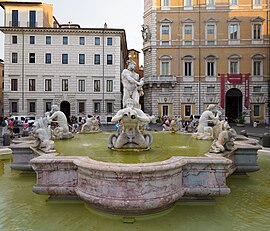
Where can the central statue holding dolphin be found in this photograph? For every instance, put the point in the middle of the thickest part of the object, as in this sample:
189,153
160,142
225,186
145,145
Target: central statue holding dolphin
131,116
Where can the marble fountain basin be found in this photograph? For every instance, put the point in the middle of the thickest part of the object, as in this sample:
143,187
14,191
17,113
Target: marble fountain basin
132,187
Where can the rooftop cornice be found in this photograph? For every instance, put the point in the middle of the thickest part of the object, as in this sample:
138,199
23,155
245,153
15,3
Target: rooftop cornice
16,3
64,30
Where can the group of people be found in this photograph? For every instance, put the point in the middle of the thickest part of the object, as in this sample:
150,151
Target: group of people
11,126
86,123
177,124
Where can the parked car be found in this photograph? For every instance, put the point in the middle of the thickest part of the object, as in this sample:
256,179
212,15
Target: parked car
21,119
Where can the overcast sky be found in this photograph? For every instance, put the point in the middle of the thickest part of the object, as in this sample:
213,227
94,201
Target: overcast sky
121,14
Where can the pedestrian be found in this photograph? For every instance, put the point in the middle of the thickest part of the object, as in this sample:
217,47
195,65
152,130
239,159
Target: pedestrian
4,126
10,127
16,129
26,125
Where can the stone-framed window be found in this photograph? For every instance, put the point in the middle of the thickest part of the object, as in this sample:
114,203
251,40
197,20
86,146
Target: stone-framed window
81,107
165,65
96,85
82,40
48,58
109,107
14,85
14,57
257,65
48,40
188,4
47,105
210,66
165,34
64,58
109,59
109,41
65,40
188,68
234,64
81,58
81,85
14,106
97,106
96,59
97,41
48,85
32,84
32,106
14,39
32,58
32,39
109,85
64,84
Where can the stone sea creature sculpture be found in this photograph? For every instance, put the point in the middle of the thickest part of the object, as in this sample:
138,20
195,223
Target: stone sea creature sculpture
62,130
91,125
224,142
131,119
130,135
145,125
42,133
204,131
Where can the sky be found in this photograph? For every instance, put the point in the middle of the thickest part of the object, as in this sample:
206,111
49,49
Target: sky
120,14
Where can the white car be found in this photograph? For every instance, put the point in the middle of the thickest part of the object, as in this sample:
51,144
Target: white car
21,119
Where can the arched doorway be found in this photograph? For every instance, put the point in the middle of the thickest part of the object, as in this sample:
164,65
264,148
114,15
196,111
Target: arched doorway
65,107
234,104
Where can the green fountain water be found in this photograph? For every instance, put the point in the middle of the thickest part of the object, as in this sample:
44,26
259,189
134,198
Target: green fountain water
165,145
247,208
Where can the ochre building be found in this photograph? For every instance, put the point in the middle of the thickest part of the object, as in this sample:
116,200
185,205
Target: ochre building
205,52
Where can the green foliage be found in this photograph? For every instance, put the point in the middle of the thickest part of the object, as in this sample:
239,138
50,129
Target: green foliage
242,118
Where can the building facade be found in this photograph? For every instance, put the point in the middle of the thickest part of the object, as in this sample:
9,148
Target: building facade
1,86
49,63
201,52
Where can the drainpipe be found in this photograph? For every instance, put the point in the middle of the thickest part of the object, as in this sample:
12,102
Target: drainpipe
268,63
103,70
23,70
199,90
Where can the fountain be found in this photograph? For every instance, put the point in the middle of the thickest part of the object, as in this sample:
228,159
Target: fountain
90,126
140,188
131,117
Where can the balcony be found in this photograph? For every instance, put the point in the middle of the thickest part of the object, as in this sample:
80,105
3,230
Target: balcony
14,24
160,79
32,24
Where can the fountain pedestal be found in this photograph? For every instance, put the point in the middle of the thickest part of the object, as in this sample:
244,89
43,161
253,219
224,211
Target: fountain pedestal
131,188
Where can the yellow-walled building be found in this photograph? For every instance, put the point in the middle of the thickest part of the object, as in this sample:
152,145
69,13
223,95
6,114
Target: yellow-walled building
201,52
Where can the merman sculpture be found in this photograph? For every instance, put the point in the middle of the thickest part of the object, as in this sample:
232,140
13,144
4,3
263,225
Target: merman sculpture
62,130
204,131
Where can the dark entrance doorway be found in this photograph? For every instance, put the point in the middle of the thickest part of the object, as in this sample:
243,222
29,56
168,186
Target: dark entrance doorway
234,104
65,107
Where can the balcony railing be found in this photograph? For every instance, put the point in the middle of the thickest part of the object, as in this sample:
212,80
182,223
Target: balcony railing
160,78
17,24
32,24
14,24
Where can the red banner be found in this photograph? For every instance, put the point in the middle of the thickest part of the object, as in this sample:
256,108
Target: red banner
235,78
247,91
222,89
